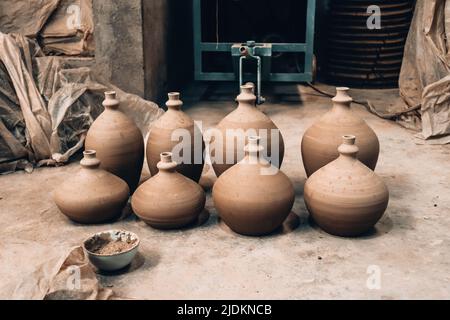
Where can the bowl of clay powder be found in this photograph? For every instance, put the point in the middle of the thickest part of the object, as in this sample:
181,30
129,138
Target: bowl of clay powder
111,250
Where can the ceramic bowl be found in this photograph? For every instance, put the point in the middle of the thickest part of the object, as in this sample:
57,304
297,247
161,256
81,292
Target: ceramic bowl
115,261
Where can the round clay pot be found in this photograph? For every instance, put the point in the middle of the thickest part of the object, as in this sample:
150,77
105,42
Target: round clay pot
345,197
168,200
253,197
231,134
118,141
320,142
161,135
93,195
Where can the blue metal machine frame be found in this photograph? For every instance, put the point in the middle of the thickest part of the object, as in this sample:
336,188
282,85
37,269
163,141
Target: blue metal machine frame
307,48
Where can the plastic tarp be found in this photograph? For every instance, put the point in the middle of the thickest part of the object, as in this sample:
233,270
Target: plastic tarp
70,29
62,27
48,103
67,276
425,74
25,17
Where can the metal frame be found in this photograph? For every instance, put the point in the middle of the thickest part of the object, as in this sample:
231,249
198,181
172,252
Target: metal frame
307,48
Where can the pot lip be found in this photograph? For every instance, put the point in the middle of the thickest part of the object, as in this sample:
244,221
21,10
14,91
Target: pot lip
112,254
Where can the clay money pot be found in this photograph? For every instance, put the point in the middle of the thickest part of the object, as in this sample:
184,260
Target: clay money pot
168,200
253,197
160,139
93,195
246,120
118,141
346,198
321,140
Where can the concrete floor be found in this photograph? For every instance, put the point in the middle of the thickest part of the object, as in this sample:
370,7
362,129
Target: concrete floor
409,247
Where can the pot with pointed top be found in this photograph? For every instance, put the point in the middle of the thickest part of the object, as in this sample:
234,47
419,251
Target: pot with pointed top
118,141
345,197
253,197
321,140
231,134
92,195
176,132
168,200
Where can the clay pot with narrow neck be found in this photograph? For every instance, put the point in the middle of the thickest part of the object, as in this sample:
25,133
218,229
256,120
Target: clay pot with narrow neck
92,195
345,197
253,197
321,140
118,141
231,134
168,200
176,132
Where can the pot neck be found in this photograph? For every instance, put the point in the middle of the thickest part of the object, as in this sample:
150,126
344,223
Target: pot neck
166,165
246,98
111,102
342,101
90,160
253,149
174,103
348,149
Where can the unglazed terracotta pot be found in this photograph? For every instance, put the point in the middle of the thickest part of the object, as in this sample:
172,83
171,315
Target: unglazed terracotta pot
320,142
93,195
168,200
118,141
233,132
176,122
253,197
345,197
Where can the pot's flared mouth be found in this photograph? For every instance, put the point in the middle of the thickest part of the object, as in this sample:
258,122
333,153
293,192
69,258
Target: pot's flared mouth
174,95
94,244
166,156
89,152
349,139
110,94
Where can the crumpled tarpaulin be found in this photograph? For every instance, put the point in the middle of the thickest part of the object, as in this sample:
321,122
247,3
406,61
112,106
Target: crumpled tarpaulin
425,75
47,104
70,29
25,17
62,27
32,106
62,277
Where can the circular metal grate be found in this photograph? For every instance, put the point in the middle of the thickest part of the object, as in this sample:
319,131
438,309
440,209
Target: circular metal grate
363,57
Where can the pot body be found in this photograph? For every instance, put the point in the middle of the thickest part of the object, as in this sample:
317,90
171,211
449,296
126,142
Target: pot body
168,200
119,144
345,197
321,141
243,122
92,196
175,123
252,203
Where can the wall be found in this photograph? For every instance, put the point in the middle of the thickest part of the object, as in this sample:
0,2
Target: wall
145,46
119,43
155,27
167,46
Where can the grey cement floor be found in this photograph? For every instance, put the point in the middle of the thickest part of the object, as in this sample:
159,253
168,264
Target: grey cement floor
409,249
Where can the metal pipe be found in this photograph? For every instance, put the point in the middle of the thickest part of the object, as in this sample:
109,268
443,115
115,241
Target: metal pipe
260,99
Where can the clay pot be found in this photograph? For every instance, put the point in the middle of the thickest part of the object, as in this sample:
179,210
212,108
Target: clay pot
253,197
345,197
93,195
160,140
320,142
243,122
118,141
168,200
